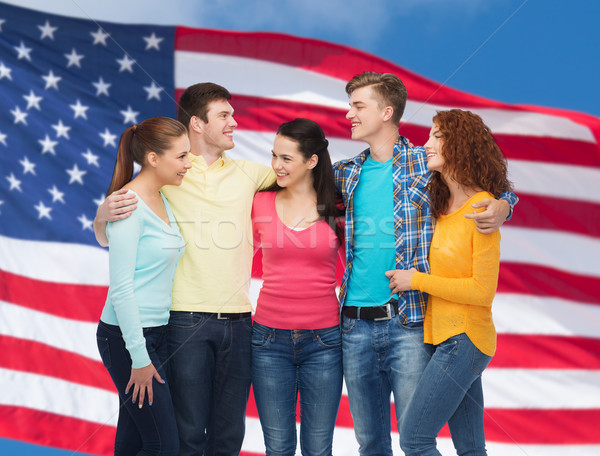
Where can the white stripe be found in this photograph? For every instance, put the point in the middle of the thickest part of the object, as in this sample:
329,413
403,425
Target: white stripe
54,261
572,253
544,179
53,395
284,82
560,181
527,314
544,389
61,333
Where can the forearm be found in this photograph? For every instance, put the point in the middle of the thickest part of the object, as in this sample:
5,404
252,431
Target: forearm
100,232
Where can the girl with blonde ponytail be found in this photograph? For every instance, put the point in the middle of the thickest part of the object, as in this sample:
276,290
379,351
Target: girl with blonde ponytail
143,252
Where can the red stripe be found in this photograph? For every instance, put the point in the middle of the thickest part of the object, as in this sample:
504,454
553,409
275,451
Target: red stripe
265,115
548,213
77,302
52,362
537,280
546,352
343,62
43,428
333,60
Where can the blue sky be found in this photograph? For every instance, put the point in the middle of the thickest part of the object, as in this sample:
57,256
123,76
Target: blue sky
542,52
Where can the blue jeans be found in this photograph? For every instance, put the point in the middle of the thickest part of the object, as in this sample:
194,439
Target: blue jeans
287,362
210,368
449,392
380,357
150,430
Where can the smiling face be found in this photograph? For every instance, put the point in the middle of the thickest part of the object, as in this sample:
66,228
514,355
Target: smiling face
366,115
289,164
174,162
433,148
217,133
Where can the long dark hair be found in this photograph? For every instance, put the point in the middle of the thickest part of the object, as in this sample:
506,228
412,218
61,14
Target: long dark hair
311,141
471,157
152,135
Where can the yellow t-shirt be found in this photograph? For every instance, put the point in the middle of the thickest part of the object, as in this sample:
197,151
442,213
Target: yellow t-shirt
463,280
213,207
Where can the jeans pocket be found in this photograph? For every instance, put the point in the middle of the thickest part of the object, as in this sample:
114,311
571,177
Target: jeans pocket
329,338
104,349
260,337
348,325
186,320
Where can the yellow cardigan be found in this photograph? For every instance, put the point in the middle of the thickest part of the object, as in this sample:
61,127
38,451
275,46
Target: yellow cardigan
463,280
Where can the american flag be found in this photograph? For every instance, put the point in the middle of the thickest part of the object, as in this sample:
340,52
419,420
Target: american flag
69,88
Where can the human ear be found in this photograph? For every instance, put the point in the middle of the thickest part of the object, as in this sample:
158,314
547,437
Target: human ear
196,124
388,112
152,159
312,161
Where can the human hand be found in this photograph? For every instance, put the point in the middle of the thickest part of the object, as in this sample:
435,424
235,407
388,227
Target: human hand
117,206
400,279
141,380
492,218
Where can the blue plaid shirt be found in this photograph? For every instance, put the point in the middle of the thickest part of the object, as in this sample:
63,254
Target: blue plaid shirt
413,223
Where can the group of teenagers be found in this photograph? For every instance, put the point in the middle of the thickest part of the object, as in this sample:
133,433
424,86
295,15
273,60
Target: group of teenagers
417,229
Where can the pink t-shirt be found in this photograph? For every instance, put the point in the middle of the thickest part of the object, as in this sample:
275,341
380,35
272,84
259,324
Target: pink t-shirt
299,280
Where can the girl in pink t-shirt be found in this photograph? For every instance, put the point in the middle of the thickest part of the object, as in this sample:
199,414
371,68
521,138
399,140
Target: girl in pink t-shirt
296,340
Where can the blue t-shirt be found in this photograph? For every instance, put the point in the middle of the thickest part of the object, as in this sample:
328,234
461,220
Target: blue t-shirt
374,251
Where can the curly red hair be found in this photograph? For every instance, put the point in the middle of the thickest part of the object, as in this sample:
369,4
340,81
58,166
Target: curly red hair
471,157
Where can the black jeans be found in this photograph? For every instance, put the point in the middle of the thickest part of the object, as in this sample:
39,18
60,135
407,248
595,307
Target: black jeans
151,430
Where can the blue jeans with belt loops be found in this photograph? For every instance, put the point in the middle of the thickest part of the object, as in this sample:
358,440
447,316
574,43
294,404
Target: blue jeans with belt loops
380,358
288,362
449,392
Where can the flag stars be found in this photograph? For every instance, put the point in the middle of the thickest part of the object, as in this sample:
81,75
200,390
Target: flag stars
1,202
101,87
91,158
74,59
14,182
129,116
47,30
2,21
108,138
99,37
33,101
5,72
86,224
51,80
100,200
152,41
43,211
48,145
61,129
2,138
23,52
79,109
126,64
57,195
28,167
76,174
20,116
153,91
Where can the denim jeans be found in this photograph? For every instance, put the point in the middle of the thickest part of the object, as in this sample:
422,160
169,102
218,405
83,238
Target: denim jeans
150,430
449,392
380,358
288,362
210,368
